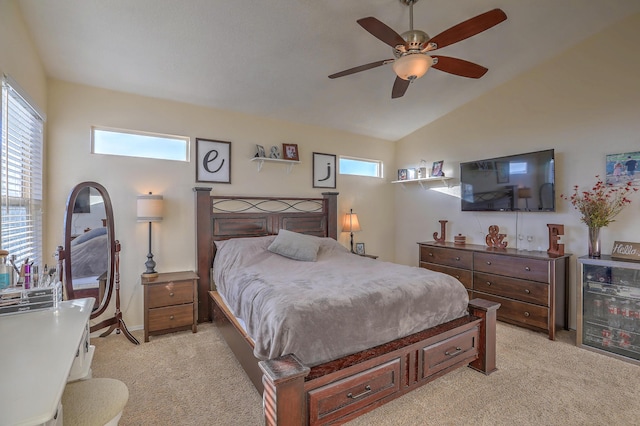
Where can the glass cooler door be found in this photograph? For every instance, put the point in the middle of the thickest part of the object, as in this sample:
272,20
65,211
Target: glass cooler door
610,307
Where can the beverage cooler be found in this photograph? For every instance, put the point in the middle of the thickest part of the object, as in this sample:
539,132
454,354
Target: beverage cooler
609,307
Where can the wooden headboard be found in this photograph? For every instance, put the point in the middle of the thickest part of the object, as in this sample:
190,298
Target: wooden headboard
224,217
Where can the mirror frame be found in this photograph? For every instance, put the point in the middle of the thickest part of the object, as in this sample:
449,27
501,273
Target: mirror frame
68,220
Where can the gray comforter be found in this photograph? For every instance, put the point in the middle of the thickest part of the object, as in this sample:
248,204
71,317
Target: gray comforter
338,305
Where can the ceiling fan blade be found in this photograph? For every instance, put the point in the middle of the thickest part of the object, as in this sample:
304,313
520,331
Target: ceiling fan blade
399,88
469,28
360,68
381,31
459,67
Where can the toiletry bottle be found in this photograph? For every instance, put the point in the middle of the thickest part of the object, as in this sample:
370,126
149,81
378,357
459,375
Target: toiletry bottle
27,276
6,276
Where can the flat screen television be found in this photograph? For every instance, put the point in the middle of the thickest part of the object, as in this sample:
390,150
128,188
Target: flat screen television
522,182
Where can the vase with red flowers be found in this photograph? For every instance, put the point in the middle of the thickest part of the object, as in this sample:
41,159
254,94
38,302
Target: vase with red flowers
599,206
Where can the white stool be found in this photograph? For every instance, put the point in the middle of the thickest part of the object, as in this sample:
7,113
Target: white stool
92,402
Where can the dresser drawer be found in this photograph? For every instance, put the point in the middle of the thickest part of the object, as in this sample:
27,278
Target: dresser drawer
520,313
450,257
170,293
353,393
170,317
449,352
465,276
517,267
527,291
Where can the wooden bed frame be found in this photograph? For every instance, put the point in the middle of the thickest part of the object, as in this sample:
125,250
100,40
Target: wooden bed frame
339,390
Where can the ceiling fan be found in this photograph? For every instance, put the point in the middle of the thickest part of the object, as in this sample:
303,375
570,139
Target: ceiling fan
411,49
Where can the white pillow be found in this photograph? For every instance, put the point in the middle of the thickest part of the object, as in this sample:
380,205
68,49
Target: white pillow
295,246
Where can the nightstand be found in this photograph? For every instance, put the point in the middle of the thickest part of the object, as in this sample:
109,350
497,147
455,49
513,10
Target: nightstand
170,303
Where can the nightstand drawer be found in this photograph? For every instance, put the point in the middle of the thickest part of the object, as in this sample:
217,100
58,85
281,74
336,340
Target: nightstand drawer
170,293
517,267
463,275
527,291
450,257
170,317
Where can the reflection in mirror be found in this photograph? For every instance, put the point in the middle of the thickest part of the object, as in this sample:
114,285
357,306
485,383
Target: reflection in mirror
89,248
89,260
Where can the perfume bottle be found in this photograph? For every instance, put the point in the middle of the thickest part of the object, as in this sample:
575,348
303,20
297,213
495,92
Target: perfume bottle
6,271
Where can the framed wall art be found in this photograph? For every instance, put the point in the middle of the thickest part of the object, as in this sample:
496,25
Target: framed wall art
502,168
622,168
360,248
213,161
324,170
290,151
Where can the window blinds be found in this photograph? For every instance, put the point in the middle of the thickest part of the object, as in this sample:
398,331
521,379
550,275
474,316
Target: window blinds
21,180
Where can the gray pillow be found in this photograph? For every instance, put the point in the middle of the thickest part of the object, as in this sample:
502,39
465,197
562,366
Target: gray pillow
295,246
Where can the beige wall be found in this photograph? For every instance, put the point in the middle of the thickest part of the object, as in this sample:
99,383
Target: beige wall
584,103
18,56
73,109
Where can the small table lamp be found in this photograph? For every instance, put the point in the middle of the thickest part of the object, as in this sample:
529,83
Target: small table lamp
150,210
525,193
351,224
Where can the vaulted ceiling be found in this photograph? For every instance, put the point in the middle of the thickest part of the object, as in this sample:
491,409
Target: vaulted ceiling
272,58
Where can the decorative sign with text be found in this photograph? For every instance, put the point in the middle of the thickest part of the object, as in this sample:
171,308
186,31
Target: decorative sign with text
626,250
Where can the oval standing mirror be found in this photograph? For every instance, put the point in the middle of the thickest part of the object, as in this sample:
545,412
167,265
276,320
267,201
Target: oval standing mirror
89,260
89,245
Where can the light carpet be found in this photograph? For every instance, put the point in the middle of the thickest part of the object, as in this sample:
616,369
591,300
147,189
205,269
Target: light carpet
194,379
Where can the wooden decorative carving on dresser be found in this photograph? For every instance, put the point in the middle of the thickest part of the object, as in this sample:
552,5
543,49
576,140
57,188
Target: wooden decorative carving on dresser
443,232
495,239
555,232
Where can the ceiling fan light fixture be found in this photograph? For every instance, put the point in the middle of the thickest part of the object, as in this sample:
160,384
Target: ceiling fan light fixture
412,66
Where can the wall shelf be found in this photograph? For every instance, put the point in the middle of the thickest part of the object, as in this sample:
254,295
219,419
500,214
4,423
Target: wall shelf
262,160
422,181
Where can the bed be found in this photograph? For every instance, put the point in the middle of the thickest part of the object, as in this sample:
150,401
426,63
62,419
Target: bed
335,386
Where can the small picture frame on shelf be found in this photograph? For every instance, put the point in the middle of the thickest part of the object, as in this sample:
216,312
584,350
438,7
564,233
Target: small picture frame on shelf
402,174
360,248
290,151
260,151
436,169
411,174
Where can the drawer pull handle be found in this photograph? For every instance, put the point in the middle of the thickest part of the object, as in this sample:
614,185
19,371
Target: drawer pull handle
367,389
526,314
488,282
430,254
488,263
526,290
457,258
455,352
457,277
526,268
171,317
171,294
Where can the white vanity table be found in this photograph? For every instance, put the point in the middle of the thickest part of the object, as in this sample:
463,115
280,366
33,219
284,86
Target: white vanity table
37,352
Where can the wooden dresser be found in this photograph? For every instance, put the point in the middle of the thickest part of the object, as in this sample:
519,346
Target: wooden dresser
531,286
170,303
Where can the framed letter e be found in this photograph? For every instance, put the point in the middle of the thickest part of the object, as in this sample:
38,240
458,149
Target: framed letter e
213,161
